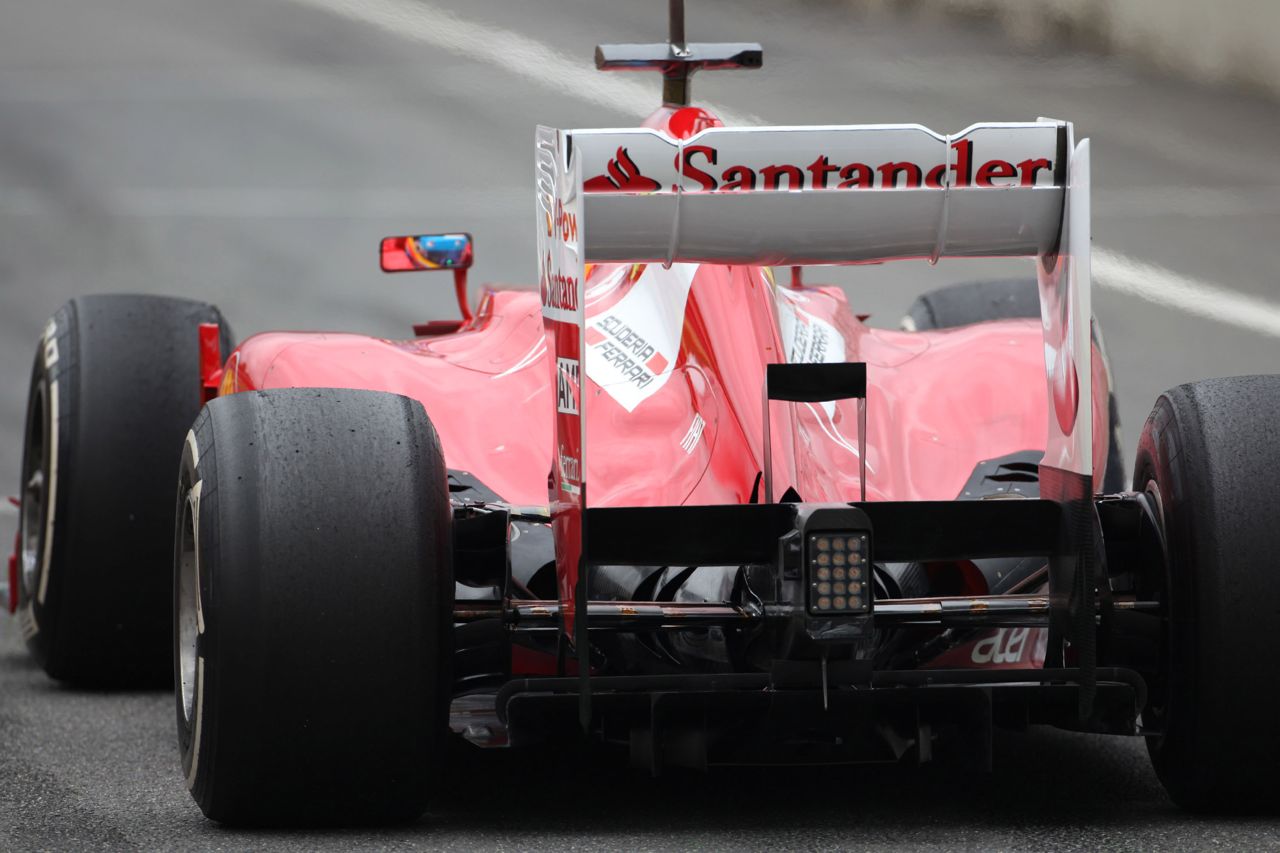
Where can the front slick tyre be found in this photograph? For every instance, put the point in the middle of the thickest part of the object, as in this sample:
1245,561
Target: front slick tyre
1209,458
313,593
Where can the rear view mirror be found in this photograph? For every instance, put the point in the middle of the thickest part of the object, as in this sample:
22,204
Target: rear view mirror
426,252
421,252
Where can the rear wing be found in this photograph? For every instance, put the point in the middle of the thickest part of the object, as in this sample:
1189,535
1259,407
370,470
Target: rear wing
797,195
814,195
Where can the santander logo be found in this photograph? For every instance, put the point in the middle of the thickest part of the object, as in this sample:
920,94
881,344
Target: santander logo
700,164
621,176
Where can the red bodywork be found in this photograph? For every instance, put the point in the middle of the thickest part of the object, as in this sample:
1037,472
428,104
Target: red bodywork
939,402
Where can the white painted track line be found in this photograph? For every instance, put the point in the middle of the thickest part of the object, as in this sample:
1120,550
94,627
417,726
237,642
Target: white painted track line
519,54
1168,289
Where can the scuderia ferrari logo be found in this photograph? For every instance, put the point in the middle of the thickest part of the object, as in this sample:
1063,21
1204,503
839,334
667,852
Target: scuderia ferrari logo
631,347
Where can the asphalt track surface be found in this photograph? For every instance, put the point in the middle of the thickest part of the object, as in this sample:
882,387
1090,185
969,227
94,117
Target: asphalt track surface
252,152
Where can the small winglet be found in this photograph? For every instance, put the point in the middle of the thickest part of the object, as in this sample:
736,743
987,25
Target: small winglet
677,59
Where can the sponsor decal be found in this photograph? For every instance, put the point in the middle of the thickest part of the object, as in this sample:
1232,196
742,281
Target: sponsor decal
806,337
567,386
997,648
50,344
632,346
570,468
627,349
690,440
1006,646
703,171
560,290
622,175
559,293
564,221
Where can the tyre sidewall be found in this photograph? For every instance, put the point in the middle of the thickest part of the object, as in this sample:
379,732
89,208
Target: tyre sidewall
54,388
1174,687
196,733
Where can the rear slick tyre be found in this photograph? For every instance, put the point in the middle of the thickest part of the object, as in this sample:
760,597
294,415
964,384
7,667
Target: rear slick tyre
116,383
1209,459
312,615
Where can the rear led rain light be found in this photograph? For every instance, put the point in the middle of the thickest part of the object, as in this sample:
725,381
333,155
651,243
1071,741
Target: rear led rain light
836,565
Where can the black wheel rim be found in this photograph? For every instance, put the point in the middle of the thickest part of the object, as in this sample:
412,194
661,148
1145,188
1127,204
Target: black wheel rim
1155,717
188,615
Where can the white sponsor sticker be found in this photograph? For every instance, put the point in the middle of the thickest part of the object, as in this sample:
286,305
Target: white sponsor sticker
690,440
570,472
807,338
632,346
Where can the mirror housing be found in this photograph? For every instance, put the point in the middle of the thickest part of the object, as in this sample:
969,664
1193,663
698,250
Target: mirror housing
423,252
426,252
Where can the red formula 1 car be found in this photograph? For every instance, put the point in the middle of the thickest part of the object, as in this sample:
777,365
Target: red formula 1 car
670,500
